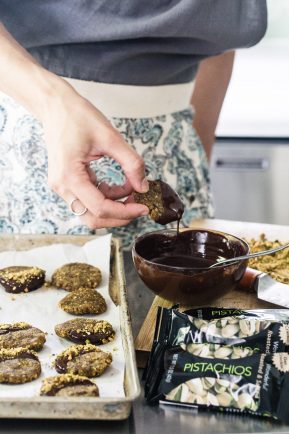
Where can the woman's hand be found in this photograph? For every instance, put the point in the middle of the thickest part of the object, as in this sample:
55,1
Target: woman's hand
76,133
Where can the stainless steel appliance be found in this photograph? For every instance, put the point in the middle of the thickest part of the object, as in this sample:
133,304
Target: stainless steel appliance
250,179
250,162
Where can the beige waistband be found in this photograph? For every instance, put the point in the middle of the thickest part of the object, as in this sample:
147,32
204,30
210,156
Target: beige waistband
126,101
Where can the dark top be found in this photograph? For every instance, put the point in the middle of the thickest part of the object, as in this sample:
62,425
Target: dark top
142,42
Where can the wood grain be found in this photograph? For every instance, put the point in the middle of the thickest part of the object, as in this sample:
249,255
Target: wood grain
236,299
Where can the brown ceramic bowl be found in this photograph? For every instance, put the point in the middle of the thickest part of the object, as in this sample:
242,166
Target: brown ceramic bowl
176,267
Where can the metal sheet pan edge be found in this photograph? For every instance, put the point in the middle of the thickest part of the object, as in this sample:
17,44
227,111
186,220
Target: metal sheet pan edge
80,408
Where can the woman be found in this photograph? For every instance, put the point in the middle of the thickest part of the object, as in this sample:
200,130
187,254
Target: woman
104,95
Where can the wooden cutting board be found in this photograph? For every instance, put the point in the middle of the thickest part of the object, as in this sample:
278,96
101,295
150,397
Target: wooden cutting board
235,299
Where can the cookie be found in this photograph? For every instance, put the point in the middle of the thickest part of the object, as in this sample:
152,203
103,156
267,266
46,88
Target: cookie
87,360
86,331
18,366
76,275
21,279
83,301
68,385
163,203
21,335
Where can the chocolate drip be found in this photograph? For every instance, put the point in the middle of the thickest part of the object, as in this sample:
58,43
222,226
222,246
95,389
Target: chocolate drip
173,206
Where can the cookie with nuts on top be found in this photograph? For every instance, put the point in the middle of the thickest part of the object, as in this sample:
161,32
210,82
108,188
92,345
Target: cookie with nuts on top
164,204
76,275
18,366
21,335
83,301
87,360
68,385
18,279
85,330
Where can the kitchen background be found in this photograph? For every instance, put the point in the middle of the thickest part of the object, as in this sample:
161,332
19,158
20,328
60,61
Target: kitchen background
250,162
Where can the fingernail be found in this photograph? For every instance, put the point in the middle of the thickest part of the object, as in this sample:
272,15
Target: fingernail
144,185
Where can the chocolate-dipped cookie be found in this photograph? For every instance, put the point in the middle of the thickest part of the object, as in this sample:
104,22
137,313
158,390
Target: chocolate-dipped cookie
18,366
164,205
83,301
76,275
68,385
87,360
86,331
18,279
21,335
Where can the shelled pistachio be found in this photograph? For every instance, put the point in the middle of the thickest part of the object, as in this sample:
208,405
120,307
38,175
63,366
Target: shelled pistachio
215,392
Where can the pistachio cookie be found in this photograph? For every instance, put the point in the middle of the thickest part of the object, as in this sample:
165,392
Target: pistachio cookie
21,279
83,301
76,275
163,203
87,360
21,335
84,330
18,366
68,385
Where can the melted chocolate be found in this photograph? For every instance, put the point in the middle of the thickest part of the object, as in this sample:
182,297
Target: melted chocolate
173,206
183,261
180,250
175,266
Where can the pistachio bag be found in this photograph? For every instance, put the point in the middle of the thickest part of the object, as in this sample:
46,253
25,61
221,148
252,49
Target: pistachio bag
230,364
258,384
220,312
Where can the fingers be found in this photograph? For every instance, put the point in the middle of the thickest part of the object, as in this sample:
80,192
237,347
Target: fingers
115,192
92,223
132,163
79,209
101,210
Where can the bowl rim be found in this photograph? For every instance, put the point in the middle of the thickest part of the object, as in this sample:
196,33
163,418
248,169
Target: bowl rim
187,270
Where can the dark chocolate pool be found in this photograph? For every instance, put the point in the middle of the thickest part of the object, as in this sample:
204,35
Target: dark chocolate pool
175,266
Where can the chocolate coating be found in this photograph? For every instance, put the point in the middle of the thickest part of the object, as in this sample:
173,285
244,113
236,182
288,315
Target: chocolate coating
165,206
85,330
173,206
18,279
87,360
68,385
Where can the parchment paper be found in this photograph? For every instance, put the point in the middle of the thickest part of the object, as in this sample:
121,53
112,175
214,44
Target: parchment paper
40,309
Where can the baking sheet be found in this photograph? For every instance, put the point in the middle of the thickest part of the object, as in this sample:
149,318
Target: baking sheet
40,309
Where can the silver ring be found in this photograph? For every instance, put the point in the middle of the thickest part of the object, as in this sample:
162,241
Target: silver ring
79,213
99,184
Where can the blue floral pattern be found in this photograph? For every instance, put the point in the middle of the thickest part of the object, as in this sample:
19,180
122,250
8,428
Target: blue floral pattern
169,145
